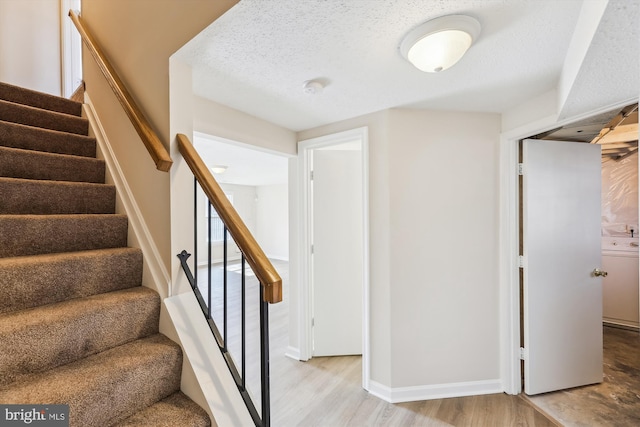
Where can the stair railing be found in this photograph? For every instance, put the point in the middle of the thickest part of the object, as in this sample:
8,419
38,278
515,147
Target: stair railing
216,302
152,142
269,282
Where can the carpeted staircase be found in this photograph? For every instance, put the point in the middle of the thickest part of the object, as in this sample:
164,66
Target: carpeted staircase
76,326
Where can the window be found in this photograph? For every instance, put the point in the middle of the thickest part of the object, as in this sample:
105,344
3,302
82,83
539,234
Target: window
217,227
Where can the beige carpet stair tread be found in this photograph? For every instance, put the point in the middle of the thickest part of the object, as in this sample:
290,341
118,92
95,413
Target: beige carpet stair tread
33,138
107,387
32,116
38,99
27,196
70,330
29,164
41,234
176,410
37,280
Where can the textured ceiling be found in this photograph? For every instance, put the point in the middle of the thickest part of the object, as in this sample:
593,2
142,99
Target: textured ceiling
256,57
611,69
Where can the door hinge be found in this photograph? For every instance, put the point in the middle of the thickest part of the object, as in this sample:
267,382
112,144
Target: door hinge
520,261
520,169
311,175
313,321
523,353
311,249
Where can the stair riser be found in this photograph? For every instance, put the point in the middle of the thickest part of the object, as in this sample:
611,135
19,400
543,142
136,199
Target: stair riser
30,116
66,332
36,234
32,138
38,99
107,387
19,196
26,164
39,280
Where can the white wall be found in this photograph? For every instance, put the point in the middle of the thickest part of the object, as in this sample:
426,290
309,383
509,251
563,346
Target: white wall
272,220
434,251
444,247
219,120
30,44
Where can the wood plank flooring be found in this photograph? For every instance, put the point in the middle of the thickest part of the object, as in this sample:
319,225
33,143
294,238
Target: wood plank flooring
327,391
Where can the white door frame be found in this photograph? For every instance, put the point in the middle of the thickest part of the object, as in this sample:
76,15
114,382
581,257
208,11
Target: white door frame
304,303
510,371
71,42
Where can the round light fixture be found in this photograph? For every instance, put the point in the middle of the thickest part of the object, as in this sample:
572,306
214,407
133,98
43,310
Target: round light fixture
219,168
438,44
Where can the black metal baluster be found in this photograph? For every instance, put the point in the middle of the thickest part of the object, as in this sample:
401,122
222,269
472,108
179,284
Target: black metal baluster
195,231
263,419
264,358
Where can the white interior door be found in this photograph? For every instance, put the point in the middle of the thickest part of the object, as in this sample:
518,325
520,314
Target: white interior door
337,259
562,247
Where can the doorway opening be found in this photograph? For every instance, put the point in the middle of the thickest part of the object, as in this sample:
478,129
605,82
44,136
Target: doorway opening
618,213
334,279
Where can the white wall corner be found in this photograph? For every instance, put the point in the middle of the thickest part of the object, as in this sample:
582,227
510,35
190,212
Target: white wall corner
590,15
223,400
435,391
155,274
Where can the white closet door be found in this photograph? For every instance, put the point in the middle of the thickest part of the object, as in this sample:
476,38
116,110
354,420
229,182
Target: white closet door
562,248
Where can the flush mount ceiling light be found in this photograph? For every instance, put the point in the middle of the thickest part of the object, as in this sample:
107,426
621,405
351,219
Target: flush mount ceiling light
219,168
438,44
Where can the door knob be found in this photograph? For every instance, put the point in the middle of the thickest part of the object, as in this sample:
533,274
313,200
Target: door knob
599,273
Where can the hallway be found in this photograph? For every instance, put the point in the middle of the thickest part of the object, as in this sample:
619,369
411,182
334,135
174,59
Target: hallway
327,392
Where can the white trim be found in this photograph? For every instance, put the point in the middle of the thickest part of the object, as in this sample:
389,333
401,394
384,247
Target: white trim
304,303
152,259
292,353
71,49
435,391
509,241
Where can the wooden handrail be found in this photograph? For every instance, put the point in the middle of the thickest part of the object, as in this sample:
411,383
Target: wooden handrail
156,149
262,267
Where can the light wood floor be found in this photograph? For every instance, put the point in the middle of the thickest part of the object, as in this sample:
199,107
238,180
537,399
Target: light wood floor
327,391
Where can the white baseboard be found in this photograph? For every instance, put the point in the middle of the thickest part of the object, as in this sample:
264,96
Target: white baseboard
293,353
436,391
153,264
